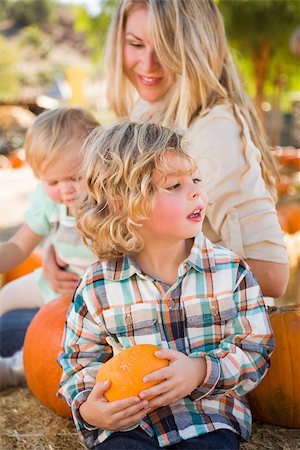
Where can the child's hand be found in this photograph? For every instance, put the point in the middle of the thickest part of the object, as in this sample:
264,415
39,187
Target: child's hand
112,416
180,378
60,280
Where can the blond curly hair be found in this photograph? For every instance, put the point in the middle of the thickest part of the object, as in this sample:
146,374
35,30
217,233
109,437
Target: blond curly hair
118,168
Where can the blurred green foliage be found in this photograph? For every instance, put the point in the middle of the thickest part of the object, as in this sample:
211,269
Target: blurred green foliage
9,82
34,37
260,31
95,28
27,12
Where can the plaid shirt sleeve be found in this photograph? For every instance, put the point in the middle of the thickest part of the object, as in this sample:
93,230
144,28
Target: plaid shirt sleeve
83,353
243,357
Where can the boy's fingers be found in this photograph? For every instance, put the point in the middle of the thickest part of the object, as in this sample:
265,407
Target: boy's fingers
134,419
98,391
156,390
158,375
167,353
120,406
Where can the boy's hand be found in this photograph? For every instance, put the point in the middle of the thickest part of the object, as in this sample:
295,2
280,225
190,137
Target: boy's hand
112,416
180,378
60,280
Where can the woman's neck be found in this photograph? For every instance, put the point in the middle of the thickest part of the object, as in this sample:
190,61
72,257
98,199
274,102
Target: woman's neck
162,261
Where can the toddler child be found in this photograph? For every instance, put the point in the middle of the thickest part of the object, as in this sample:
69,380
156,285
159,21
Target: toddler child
160,281
53,150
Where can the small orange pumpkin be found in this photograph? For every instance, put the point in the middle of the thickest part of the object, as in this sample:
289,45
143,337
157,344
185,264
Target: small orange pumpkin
276,400
41,347
126,370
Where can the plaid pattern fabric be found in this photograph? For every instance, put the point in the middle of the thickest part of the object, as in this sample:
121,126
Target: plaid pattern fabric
215,310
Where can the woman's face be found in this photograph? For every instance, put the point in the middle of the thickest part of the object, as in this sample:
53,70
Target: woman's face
151,79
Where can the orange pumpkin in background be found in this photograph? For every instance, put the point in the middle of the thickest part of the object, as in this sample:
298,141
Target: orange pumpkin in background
31,263
126,370
276,400
289,216
16,160
41,347
288,157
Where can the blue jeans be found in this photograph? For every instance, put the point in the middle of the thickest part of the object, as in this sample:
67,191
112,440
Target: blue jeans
138,439
13,327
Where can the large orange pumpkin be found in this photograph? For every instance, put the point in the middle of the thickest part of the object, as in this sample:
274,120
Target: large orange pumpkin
276,400
41,348
126,370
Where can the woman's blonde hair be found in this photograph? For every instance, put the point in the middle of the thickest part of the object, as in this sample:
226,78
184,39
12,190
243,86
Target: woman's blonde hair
189,38
118,168
51,134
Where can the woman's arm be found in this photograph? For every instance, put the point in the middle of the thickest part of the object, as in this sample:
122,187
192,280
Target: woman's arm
272,277
16,250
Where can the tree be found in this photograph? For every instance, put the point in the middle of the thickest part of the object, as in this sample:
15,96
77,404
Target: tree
95,27
261,31
9,83
27,12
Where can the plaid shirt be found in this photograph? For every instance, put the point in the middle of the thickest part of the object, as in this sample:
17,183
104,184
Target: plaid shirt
214,310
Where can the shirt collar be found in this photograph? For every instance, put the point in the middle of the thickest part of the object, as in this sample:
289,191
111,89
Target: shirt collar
121,268
201,258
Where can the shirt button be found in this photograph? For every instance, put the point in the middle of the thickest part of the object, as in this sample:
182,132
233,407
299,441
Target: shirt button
214,311
128,319
171,303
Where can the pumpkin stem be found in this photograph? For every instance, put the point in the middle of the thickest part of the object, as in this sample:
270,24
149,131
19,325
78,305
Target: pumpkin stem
117,347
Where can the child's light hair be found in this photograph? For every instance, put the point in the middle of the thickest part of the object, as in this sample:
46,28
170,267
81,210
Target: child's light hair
189,38
52,134
118,168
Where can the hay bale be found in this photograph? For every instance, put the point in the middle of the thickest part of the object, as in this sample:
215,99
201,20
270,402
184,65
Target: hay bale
26,424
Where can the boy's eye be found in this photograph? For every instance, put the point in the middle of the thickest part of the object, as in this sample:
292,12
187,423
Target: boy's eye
52,183
173,187
197,180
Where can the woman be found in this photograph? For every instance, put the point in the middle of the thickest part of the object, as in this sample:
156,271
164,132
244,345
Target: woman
173,58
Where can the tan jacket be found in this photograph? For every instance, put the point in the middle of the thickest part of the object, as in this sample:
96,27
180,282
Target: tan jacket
241,214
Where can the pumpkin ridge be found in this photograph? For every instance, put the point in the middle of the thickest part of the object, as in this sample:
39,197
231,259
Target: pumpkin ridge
291,388
287,381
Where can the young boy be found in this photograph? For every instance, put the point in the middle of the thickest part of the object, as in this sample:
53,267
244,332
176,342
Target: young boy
160,281
53,150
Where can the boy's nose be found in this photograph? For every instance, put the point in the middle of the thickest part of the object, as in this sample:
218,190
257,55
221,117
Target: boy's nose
195,192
